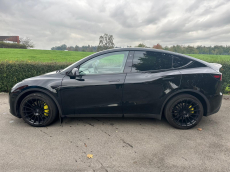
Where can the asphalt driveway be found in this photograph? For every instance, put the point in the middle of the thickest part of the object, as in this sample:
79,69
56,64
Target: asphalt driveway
116,144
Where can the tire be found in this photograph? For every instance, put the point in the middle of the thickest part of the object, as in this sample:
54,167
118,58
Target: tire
184,111
38,110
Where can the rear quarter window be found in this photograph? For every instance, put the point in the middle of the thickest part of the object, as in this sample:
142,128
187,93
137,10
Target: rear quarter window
180,61
183,62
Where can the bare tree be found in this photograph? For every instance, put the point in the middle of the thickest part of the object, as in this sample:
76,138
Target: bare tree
105,42
27,42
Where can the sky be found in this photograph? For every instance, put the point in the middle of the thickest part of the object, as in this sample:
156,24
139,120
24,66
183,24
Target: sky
80,22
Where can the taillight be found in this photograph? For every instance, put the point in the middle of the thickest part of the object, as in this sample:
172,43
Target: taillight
219,77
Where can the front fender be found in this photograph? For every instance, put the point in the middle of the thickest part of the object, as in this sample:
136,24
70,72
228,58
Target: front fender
54,96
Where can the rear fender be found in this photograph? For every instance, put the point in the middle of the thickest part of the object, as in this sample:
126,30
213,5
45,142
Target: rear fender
187,91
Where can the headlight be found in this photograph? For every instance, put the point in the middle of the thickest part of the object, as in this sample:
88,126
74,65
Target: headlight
17,87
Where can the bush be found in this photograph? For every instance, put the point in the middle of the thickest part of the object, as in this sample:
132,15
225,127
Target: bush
12,45
14,72
225,70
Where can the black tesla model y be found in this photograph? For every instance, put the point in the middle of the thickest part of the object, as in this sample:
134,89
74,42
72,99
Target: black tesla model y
126,82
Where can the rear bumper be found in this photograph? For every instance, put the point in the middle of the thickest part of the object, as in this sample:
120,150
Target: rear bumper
215,104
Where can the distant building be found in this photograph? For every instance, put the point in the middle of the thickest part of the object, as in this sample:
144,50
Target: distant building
10,39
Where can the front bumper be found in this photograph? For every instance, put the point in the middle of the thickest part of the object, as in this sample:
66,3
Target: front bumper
12,110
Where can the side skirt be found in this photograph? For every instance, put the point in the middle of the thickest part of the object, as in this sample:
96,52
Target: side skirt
156,116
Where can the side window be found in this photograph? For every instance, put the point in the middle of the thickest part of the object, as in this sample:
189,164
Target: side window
180,61
104,64
147,60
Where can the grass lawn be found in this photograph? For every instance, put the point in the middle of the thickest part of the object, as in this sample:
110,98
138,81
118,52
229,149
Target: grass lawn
73,56
41,55
212,58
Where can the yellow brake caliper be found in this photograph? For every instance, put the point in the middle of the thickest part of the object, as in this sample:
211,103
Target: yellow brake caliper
192,109
46,109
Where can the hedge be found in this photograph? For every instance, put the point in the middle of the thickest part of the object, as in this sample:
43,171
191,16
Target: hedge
13,72
225,70
12,45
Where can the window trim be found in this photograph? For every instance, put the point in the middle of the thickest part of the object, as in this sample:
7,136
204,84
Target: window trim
184,65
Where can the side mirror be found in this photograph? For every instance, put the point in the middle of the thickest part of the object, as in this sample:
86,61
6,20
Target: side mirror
74,72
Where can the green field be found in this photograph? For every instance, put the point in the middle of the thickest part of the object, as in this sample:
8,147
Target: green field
73,56
212,58
41,55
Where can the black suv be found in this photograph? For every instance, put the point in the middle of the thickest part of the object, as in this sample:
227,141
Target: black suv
126,82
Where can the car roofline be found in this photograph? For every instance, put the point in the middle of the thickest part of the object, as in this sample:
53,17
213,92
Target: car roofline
139,49
150,49
162,51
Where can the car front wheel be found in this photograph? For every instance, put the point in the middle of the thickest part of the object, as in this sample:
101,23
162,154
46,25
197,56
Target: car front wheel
38,110
184,111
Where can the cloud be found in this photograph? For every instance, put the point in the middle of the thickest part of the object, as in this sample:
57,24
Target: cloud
53,22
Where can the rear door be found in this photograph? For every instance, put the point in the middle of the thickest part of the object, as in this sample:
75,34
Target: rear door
151,78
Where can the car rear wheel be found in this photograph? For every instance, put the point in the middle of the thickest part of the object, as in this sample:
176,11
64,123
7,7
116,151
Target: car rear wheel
184,111
38,110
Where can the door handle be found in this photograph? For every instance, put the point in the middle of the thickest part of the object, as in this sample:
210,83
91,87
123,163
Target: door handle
168,78
80,79
115,80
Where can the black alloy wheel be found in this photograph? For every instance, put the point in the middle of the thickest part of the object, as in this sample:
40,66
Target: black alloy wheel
38,110
184,111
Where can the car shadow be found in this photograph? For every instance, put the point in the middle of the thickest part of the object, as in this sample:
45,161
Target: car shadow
110,121
75,121
70,121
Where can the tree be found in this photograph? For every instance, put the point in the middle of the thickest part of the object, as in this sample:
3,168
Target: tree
191,50
105,42
63,47
84,48
76,48
70,48
158,46
27,42
142,45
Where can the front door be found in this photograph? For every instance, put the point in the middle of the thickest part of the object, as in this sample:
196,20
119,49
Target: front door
98,89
